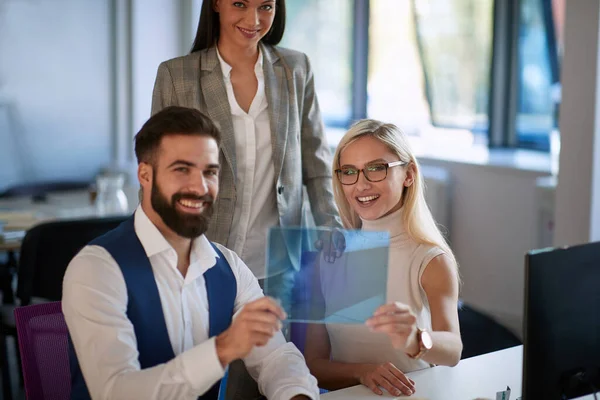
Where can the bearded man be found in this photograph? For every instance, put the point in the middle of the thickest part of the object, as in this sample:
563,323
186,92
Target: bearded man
157,311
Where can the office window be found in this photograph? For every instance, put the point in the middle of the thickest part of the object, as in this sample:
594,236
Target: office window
323,30
538,78
395,85
455,39
429,65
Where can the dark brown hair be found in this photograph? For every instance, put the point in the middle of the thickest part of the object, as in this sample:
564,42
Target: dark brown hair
209,27
173,120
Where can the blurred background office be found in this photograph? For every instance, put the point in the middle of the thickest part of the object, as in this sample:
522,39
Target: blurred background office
462,77
477,84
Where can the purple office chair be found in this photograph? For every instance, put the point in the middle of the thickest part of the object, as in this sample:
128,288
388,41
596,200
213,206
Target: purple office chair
43,341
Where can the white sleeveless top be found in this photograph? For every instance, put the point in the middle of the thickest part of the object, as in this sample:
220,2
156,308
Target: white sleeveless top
407,261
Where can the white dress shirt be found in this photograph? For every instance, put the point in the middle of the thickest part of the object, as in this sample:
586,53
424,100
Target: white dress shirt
95,302
256,205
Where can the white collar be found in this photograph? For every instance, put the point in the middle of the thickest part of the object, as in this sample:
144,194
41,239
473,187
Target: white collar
226,68
153,242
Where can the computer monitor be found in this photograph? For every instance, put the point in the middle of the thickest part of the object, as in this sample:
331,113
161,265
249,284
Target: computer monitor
561,355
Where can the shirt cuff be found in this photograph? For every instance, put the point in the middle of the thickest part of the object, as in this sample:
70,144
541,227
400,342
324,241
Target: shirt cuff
297,391
201,366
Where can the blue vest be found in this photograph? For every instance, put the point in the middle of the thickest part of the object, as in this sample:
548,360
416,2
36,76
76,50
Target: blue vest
144,308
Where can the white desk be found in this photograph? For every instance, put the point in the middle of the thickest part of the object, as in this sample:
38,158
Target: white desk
21,213
474,378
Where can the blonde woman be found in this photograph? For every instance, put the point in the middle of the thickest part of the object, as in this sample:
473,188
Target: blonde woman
378,187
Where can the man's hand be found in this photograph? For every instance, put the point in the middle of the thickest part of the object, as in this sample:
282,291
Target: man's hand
255,325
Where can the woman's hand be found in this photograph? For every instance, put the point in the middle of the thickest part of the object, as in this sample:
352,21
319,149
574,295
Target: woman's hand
332,243
398,322
388,377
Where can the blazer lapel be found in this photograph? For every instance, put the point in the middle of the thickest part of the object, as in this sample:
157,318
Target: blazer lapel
276,90
217,103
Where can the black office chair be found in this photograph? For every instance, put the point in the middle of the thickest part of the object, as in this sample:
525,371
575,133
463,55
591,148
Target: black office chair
481,334
45,254
38,191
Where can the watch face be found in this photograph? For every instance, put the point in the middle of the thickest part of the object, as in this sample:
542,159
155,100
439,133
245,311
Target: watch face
426,340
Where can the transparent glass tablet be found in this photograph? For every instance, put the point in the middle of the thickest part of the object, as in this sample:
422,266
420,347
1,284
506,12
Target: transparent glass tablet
323,275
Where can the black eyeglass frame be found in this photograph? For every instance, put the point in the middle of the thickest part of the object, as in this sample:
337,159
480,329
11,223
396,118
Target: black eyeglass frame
387,166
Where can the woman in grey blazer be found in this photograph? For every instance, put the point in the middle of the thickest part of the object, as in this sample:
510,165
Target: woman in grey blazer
263,99
299,151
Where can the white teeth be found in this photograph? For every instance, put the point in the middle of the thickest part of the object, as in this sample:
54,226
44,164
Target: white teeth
247,31
191,204
368,198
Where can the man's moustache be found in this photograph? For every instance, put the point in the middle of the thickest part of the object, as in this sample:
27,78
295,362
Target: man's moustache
205,198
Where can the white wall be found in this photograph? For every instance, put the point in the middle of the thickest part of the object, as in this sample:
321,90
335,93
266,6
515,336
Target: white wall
493,224
578,189
156,27
76,80
54,89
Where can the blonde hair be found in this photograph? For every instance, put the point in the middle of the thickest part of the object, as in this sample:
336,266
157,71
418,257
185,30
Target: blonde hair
417,218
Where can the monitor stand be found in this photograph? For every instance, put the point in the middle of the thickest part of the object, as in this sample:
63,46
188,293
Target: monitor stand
579,382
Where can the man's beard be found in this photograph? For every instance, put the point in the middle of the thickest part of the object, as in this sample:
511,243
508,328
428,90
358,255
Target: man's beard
184,224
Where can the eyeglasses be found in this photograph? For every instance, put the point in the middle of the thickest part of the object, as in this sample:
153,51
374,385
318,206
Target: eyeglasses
373,172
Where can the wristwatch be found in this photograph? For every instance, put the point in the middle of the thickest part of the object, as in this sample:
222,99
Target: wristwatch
425,344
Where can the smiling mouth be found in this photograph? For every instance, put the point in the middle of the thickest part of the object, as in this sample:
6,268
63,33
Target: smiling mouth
191,205
249,33
367,199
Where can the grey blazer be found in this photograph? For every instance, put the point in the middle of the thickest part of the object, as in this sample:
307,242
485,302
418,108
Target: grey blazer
300,151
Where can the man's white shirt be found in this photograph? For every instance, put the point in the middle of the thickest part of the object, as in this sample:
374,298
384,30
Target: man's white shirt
95,303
